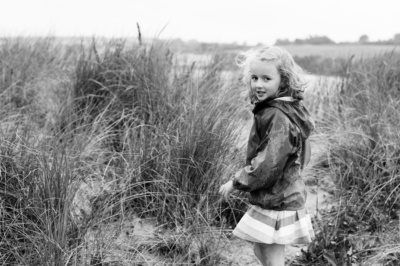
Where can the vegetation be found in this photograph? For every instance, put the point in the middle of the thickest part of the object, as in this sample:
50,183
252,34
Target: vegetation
319,65
315,40
360,120
160,135
155,136
324,40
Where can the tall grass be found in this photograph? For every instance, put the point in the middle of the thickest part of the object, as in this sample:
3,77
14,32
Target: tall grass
362,124
35,201
319,65
371,109
34,74
174,127
159,136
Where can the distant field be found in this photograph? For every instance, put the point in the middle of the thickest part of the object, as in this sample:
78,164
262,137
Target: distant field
325,51
340,50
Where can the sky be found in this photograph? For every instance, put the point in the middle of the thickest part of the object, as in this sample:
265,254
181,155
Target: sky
244,21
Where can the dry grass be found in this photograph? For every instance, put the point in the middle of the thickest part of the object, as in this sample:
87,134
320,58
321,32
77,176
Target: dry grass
360,119
159,136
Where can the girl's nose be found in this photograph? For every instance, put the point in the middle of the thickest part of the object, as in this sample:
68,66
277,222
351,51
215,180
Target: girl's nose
258,84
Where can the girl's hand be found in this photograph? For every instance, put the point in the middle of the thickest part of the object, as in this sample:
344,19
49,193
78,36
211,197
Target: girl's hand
226,189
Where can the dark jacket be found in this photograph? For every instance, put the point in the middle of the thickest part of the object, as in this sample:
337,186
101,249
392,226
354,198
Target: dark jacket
277,151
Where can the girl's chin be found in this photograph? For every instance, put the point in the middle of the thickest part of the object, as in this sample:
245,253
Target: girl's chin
262,98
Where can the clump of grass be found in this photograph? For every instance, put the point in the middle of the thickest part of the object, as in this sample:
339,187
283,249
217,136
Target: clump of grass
168,133
364,161
173,126
369,161
320,65
34,219
162,135
33,74
38,182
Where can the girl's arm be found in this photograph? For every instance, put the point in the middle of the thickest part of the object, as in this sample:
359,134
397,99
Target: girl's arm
278,143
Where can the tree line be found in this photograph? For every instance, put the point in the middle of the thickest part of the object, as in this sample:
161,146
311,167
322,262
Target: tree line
319,40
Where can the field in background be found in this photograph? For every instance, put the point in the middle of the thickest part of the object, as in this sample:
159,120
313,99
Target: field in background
340,50
111,153
327,60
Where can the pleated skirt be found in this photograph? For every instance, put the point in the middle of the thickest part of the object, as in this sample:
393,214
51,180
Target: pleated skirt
275,227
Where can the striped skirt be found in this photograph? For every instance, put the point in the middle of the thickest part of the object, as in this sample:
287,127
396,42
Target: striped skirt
275,227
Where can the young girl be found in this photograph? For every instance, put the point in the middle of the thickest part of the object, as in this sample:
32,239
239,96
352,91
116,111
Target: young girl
278,149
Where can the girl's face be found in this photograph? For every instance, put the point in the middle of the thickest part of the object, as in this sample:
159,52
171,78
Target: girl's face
264,79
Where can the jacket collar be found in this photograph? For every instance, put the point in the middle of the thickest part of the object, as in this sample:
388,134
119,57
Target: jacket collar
261,105
266,103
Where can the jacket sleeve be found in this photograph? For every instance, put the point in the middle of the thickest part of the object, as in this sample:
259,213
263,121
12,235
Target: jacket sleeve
277,144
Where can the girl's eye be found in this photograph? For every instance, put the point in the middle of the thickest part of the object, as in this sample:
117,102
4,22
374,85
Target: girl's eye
266,78
253,78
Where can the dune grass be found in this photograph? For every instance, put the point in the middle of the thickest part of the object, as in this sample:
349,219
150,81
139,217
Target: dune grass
360,120
160,136
156,138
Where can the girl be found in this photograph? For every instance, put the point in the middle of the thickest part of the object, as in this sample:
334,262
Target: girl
278,149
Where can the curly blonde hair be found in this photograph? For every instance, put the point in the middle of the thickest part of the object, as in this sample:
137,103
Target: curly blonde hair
293,82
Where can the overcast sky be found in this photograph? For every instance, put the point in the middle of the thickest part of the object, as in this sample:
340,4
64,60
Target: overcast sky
250,21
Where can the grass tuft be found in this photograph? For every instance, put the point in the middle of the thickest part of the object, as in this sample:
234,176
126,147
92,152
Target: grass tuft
361,120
